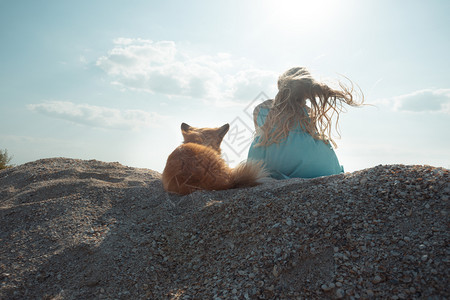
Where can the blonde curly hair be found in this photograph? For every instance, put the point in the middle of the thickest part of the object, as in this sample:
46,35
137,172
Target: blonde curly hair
290,109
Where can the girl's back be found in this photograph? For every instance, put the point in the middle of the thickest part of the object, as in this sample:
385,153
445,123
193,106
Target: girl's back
298,155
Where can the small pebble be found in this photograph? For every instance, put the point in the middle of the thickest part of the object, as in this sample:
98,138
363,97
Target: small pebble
340,293
275,271
376,279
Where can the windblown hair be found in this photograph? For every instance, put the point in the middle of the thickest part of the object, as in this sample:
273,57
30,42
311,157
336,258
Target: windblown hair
290,109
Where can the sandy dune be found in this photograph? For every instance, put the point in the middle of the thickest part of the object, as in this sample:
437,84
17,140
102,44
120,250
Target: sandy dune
74,229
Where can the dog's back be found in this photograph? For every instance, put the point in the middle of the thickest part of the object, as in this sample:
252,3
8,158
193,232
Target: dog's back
192,167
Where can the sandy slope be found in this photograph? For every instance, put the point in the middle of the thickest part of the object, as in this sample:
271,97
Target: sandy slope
73,229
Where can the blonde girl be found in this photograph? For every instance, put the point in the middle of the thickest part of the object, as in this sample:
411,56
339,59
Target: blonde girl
293,131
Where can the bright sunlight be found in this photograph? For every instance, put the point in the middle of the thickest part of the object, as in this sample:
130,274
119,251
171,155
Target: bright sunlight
300,15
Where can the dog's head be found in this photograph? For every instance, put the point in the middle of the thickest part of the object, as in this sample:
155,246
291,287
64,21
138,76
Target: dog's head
210,137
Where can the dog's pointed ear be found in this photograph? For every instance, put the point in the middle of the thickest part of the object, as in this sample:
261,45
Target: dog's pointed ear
185,127
223,130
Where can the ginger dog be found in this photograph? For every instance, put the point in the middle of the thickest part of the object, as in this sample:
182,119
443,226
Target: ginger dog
197,164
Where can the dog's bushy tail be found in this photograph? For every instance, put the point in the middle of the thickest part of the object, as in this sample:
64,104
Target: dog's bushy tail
248,173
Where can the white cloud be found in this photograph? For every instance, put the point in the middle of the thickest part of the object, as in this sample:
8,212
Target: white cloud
163,68
98,116
428,100
246,82
82,59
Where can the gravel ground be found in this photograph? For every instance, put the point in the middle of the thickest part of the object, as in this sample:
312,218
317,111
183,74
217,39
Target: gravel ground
74,229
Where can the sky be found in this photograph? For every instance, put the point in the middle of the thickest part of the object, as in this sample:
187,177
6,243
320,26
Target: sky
113,80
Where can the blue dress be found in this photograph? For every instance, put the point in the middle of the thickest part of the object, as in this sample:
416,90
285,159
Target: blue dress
299,155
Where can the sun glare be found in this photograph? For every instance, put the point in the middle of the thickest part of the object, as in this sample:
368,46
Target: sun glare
300,15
